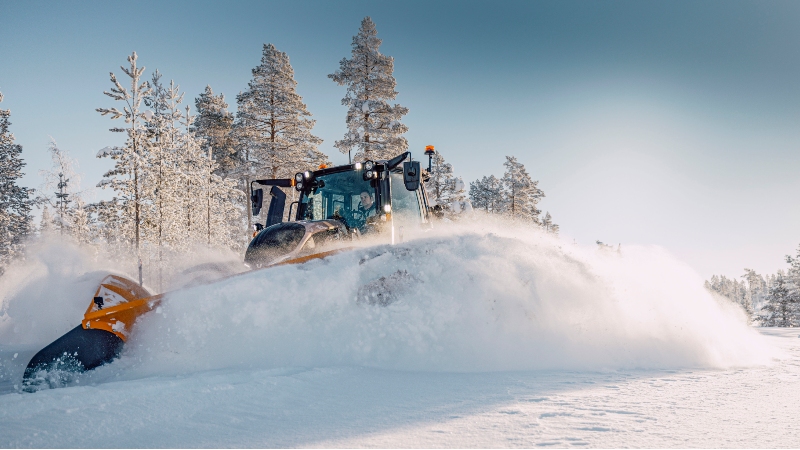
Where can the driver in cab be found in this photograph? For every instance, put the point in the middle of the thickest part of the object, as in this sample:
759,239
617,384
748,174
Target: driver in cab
367,205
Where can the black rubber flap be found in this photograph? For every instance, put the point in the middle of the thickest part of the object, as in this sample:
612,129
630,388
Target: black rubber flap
79,350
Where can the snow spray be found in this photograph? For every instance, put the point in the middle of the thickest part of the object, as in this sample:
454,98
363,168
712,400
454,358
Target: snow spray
483,297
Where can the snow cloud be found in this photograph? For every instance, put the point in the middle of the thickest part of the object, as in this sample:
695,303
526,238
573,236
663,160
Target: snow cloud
484,298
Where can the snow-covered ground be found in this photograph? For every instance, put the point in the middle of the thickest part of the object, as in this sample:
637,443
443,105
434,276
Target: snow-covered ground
489,339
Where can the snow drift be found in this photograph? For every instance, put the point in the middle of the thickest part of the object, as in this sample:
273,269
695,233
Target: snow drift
484,298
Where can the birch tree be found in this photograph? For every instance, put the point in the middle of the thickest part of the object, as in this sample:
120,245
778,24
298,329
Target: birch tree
374,130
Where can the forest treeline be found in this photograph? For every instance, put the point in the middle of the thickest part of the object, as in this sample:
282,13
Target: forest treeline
181,180
772,300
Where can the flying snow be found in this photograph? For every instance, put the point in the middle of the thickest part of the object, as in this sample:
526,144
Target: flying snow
467,299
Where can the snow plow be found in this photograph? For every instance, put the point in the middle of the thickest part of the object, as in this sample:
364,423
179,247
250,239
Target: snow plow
378,201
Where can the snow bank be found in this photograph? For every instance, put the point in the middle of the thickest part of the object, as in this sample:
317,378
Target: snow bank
464,299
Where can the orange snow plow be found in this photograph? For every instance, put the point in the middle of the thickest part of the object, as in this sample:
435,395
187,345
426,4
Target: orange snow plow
117,304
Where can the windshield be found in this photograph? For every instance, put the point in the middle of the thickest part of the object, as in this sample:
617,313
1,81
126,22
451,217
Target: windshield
342,196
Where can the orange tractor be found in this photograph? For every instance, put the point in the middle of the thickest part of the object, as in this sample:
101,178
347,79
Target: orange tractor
336,206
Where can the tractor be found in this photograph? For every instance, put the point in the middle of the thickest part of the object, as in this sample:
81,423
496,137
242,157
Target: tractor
378,202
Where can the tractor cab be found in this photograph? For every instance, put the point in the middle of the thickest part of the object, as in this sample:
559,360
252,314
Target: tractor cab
372,198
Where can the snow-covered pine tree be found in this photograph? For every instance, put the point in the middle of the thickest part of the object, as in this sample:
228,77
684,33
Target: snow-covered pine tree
441,185
374,128
165,181
45,222
487,194
756,291
781,305
521,192
273,128
81,229
64,169
217,204
273,123
213,125
793,275
15,202
125,176
548,225
732,289
459,200
107,219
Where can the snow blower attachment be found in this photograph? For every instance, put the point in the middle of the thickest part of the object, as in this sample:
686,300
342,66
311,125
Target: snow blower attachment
105,327
336,206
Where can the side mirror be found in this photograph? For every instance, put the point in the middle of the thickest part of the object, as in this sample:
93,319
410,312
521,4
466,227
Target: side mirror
276,205
257,198
411,175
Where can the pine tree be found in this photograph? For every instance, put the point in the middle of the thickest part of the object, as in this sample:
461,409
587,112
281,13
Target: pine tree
125,176
521,192
214,215
441,184
64,170
46,221
548,225
374,128
81,229
781,305
756,291
273,125
459,201
793,275
213,126
15,202
273,128
109,219
487,194
162,188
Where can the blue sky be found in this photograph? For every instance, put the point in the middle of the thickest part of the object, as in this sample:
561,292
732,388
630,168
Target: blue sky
667,123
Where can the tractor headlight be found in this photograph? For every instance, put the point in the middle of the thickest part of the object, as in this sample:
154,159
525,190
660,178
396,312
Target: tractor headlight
307,174
298,177
387,208
369,174
358,166
369,165
299,186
